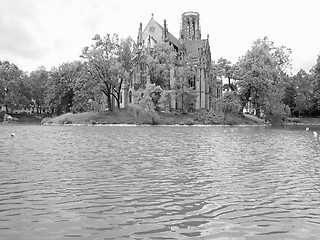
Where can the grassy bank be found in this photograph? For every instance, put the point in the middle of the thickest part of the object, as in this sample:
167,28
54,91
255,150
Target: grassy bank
23,117
27,118
132,116
303,121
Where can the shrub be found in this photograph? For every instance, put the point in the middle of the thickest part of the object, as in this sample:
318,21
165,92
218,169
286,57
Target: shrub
2,115
93,122
189,122
228,103
143,115
64,121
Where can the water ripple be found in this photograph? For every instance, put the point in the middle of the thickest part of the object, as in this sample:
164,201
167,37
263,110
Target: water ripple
61,182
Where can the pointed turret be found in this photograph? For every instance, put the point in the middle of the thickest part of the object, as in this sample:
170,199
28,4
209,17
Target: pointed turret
165,32
139,39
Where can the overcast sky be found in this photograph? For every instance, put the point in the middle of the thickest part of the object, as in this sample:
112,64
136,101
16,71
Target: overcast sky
36,33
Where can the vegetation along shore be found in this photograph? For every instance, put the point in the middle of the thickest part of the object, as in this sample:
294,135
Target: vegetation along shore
131,116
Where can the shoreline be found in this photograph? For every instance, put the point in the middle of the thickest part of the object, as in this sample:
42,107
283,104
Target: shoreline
130,118
178,125
159,125
150,125
125,118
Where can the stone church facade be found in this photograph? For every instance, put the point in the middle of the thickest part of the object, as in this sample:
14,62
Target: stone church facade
189,44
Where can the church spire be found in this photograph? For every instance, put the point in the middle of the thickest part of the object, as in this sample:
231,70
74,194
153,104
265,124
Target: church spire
139,39
165,31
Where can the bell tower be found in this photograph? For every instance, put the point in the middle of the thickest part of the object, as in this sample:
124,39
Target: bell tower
190,28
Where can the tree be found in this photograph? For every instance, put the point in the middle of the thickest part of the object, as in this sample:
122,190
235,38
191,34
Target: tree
156,67
38,82
275,110
24,93
216,85
160,61
299,91
223,69
315,81
108,65
87,95
60,87
300,101
260,73
12,86
184,84
146,100
290,92
125,58
228,103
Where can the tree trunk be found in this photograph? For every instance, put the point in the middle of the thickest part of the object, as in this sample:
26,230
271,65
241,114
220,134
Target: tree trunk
116,97
118,102
258,111
182,100
109,102
119,92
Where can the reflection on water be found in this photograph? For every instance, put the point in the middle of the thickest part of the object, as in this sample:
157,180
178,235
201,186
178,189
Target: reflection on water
62,182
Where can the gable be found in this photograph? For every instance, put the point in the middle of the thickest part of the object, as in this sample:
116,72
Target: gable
154,30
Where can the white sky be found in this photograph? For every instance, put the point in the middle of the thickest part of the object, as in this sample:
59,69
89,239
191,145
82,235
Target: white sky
36,33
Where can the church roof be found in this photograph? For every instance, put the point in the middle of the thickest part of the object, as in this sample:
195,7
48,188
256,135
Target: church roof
171,38
192,47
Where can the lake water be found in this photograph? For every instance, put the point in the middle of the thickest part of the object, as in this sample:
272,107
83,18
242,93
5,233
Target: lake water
112,182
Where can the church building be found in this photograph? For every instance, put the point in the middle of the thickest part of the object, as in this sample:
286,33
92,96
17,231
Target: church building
189,44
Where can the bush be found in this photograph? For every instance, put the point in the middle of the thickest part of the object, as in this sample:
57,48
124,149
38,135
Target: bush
276,118
144,116
93,122
208,117
278,113
46,120
2,115
229,103
65,121
188,121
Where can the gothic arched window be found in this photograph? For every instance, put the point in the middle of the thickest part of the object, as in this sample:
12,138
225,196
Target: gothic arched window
130,97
